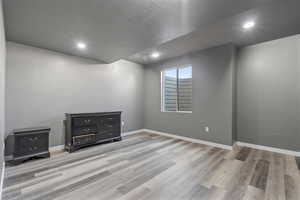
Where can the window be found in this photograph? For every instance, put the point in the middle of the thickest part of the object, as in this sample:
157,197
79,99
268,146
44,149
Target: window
177,89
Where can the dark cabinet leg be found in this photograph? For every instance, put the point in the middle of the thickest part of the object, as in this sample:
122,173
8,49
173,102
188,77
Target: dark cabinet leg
16,162
46,155
72,149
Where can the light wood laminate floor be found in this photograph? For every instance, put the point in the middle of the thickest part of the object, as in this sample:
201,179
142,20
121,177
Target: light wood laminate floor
151,167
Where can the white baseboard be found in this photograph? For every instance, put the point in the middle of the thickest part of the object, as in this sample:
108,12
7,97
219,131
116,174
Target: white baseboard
57,148
62,147
132,132
2,178
223,146
266,148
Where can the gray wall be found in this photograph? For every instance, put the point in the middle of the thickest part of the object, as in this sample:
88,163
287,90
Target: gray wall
43,85
2,88
264,104
268,94
233,64
213,78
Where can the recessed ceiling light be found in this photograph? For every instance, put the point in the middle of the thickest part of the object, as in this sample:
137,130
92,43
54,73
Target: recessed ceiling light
155,55
81,45
248,24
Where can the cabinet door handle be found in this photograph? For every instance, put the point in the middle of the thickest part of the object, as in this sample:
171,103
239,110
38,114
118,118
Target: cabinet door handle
87,121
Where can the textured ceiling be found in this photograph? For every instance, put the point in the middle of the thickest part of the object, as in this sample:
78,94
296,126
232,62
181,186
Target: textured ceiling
272,21
117,29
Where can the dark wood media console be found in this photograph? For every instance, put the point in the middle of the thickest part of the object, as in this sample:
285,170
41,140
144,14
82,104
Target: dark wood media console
84,129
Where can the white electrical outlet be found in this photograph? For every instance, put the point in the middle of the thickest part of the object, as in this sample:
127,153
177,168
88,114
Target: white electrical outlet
123,123
206,129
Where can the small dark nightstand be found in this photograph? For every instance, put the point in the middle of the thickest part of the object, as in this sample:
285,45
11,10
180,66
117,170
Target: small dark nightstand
23,144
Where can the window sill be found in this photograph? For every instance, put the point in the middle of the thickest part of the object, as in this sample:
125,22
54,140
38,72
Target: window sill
180,112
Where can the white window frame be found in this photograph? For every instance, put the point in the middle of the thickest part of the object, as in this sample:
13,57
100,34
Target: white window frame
162,102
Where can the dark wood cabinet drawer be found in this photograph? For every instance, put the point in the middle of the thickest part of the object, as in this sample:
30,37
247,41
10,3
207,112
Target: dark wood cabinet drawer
84,121
110,119
85,130
29,149
31,143
84,139
116,129
113,133
109,127
106,135
110,122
